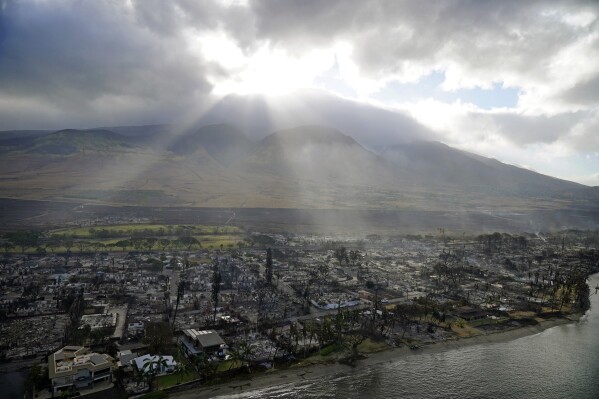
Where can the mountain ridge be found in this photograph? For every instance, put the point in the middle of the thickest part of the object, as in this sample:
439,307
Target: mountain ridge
225,143
310,166
471,170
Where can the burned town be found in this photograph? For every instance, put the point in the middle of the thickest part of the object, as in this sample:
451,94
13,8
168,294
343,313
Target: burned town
87,310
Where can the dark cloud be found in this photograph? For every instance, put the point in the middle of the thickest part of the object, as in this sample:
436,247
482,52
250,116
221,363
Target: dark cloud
523,129
389,37
79,58
85,63
371,126
585,92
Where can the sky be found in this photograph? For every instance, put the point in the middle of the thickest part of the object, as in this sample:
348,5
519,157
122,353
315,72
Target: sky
514,80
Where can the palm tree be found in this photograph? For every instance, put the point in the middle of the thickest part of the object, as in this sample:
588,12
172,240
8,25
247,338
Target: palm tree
235,357
294,335
205,367
183,369
304,337
311,333
151,368
247,353
216,280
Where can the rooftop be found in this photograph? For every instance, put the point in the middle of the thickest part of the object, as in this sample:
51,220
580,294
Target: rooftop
206,338
68,360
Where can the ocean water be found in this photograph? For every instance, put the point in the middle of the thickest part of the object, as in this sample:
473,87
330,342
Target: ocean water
560,362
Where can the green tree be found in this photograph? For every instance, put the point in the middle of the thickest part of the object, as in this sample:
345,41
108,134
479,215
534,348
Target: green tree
119,376
97,246
24,238
68,244
137,243
111,349
151,368
341,255
351,342
246,353
159,337
164,243
38,377
235,359
123,244
459,322
150,242
354,256
183,369
52,244
82,245
7,245
188,242
205,367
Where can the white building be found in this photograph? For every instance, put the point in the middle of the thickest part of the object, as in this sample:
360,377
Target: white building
75,368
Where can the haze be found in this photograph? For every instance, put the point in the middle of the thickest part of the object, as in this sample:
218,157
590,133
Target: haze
299,198
517,81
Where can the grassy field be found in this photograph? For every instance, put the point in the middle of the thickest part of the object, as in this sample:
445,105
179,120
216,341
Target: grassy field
486,321
228,365
370,346
465,330
327,350
170,380
127,230
215,241
134,237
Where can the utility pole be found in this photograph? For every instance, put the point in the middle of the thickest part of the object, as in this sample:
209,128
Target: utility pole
180,292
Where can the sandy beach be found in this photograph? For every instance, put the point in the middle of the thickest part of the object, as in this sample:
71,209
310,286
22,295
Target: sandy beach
299,373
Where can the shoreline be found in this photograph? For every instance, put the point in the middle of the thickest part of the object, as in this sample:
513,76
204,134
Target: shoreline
304,373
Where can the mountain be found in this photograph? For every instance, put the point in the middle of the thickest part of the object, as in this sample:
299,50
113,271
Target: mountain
21,134
313,153
225,143
438,164
145,131
373,127
307,167
68,141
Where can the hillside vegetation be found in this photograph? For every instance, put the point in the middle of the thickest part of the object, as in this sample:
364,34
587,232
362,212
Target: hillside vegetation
308,167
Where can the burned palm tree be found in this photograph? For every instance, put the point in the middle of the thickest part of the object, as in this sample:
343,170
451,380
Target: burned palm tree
216,280
180,292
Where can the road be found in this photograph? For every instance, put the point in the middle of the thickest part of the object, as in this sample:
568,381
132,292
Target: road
122,317
174,277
